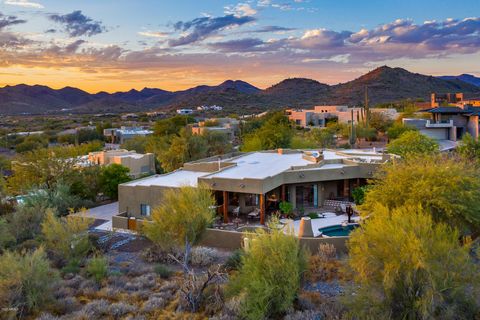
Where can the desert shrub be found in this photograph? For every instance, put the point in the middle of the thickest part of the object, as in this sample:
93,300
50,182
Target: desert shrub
163,271
26,281
270,284
327,251
25,223
203,256
7,240
324,266
182,218
313,215
303,315
119,309
97,268
67,236
153,304
234,261
412,143
96,309
72,266
406,266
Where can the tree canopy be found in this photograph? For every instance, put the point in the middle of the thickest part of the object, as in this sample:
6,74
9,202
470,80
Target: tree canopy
111,176
412,143
446,187
405,266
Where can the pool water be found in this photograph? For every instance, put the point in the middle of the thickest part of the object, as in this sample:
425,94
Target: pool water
338,230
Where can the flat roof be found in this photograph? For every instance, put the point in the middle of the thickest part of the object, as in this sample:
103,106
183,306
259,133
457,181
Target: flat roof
174,179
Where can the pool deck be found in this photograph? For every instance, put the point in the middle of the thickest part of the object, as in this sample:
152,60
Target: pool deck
330,219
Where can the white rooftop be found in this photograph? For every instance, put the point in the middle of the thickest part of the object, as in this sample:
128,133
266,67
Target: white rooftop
174,179
256,165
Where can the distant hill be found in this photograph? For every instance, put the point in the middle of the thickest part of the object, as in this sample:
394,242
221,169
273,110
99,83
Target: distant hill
468,78
384,84
387,84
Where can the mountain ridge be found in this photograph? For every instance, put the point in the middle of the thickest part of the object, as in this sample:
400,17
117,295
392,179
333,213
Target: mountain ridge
384,84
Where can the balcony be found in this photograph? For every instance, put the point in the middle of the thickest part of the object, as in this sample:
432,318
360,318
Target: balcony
439,124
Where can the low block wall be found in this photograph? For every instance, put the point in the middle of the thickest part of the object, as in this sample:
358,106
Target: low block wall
119,222
232,240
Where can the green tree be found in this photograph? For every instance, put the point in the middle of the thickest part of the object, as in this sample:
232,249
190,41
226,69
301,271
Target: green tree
469,148
380,121
32,142
405,266
139,144
111,176
397,129
181,219
324,138
26,282
446,187
172,125
412,143
67,237
276,132
270,273
58,198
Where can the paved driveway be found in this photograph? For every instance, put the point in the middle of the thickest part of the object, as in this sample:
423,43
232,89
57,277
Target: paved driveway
104,212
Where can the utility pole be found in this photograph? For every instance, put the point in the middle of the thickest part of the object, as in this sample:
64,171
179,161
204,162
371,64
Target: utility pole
367,109
353,138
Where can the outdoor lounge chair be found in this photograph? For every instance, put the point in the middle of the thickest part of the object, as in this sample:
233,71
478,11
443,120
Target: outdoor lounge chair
254,214
236,211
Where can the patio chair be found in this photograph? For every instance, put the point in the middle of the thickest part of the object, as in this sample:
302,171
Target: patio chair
236,211
254,214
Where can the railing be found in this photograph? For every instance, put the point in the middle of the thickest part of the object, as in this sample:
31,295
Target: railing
439,124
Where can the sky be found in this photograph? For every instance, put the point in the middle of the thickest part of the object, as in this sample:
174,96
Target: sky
117,45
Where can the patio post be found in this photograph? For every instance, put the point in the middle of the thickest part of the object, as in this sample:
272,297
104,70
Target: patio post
262,209
346,187
283,192
225,206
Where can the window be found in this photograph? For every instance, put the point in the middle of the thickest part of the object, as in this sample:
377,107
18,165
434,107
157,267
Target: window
251,200
298,122
233,199
145,210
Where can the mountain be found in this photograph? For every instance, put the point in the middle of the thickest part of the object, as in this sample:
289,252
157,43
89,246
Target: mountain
468,78
384,84
387,84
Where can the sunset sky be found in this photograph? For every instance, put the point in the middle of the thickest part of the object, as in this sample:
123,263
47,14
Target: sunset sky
115,45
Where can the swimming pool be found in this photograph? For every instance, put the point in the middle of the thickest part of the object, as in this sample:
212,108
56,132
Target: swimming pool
338,230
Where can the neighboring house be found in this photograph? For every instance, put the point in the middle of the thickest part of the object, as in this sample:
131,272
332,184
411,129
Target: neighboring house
116,135
184,111
448,123
259,181
228,126
139,164
319,115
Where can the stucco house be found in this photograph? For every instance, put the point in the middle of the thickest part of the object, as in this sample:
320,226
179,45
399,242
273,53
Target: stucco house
245,182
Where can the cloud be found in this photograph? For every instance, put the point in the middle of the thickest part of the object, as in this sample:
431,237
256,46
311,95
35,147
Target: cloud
77,24
201,28
242,45
154,34
24,3
241,10
272,29
6,21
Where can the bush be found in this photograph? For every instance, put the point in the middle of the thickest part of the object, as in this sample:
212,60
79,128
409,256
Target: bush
313,215
406,266
73,266
270,284
203,256
25,223
163,271
26,281
97,268
68,236
234,261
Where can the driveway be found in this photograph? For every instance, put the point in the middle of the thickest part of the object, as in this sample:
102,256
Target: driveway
104,212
